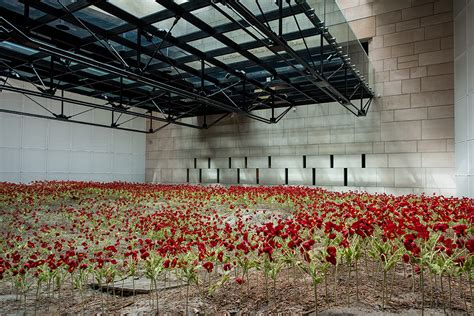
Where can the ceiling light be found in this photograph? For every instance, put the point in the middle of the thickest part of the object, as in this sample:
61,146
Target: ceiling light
62,27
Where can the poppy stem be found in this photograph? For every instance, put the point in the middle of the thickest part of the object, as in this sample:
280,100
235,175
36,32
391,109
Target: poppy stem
156,296
266,287
274,290
326,287
315,288
38,285
357,282
133,287
187,298
450,293
422,291
59,297
82,297
391,286
383,289
335,286
442,294
349,285
470,289
461,290
366,259
431,288
248,283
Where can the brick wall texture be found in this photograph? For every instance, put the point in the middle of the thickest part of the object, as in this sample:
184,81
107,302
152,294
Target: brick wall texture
464,101
404,145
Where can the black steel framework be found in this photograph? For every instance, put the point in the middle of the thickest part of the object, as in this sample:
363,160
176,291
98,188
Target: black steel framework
98,49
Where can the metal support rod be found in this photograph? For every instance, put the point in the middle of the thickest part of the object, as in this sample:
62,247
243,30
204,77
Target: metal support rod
279,117
280,18
121,91
244,101
203,65
87,104
159,109
218,120
8,86
49,49
225,88
139,47
316,78
335,71
164,39
62,103
345,81
69,120
105,44
309,12
273,108
269,47
51,73
321,54
26,14
151,123
39,78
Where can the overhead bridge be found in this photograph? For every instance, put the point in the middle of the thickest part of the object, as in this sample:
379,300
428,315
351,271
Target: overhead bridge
167,60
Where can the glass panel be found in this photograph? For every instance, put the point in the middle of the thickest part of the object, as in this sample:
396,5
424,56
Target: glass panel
125,81
95,72
18,48
83,88
181,28
240,36
69,28
18,7
147,88
207,44
57,5
210,16
131,36
339,28
119,47
138,8
99,18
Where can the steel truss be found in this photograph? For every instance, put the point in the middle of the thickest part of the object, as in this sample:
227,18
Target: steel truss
141,76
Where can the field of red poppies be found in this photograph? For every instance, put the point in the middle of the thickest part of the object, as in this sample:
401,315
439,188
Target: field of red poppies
78,247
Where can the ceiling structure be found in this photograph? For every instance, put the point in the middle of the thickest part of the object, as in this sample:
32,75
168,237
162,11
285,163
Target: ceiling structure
166,60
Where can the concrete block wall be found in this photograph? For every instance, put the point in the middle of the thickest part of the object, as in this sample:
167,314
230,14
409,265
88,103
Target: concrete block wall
41,149
407,137
464,96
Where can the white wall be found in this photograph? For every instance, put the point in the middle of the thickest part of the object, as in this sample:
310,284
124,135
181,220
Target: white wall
464,96
38,149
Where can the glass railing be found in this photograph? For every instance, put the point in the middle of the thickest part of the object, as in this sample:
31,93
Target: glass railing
329,12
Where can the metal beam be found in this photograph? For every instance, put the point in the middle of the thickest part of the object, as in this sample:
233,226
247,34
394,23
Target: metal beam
54,51
312,74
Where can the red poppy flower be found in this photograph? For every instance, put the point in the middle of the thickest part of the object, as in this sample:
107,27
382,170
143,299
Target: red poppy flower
227,266
331,251
331,260
239,281
209,266
470,245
